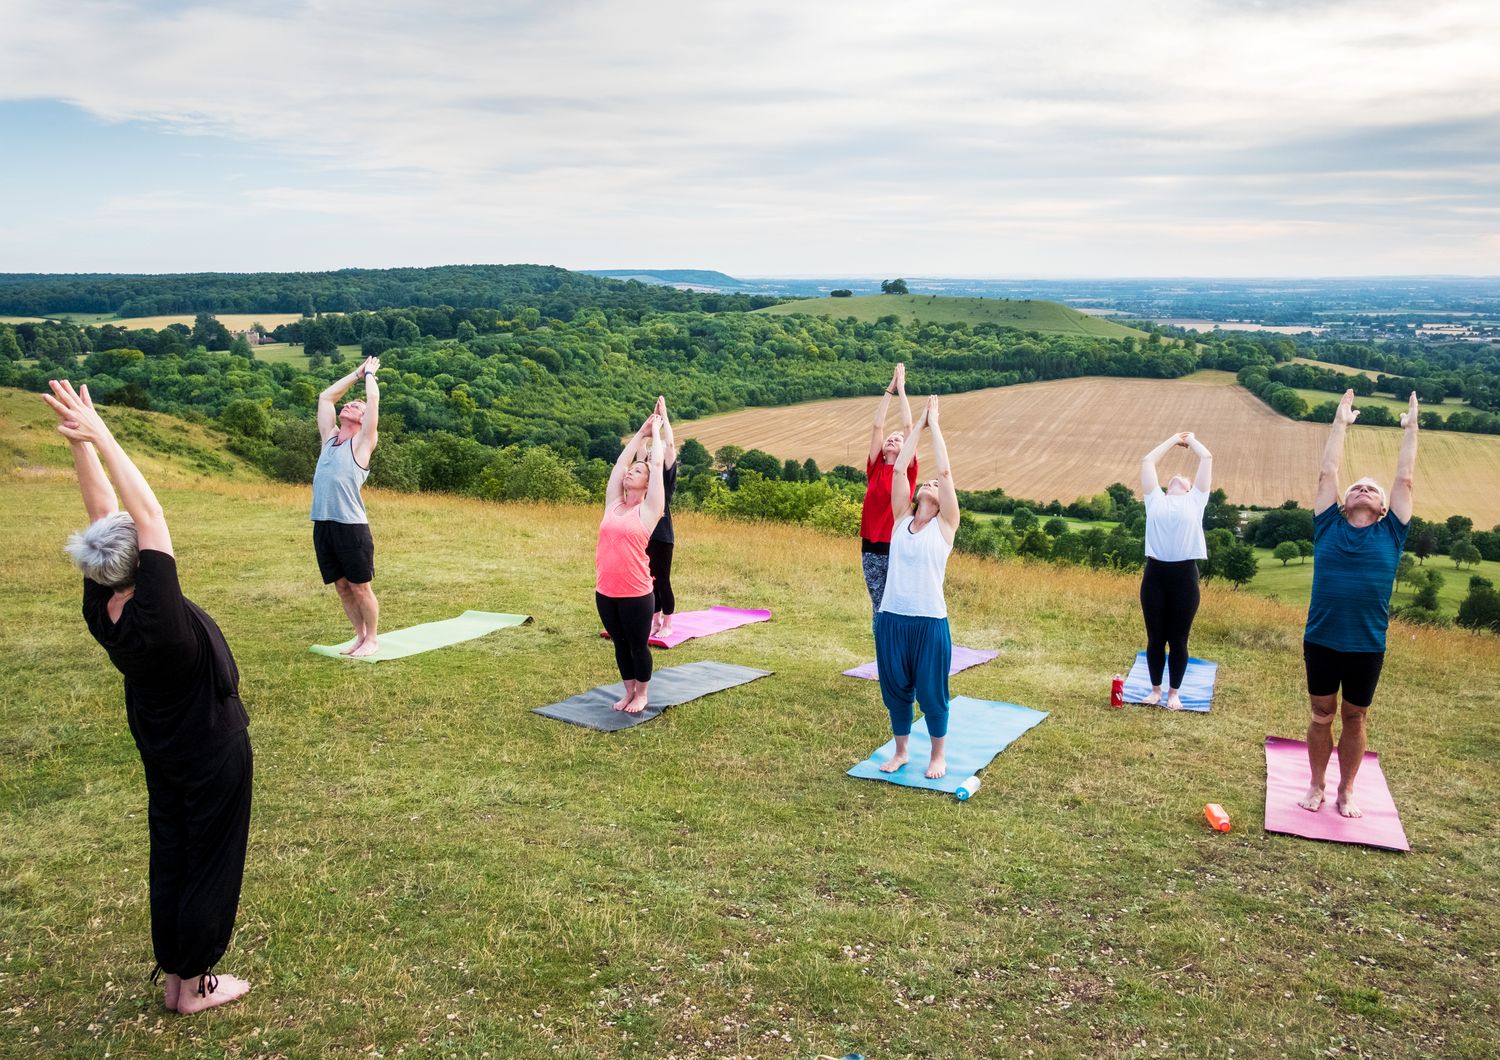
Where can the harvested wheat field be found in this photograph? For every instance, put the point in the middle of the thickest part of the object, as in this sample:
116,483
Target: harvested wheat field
232,321
1069,438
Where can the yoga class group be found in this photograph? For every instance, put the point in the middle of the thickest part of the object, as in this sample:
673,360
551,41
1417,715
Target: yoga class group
191,730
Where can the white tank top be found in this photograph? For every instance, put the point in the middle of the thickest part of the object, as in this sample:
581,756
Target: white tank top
918,563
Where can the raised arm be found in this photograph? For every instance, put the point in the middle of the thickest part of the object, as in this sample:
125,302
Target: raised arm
328,418
98,495
900,381
80,423
1203,481
365,440
877,429
1406,464
1333,454
616,487
656,493
900,486
669,456
1149,482
947,489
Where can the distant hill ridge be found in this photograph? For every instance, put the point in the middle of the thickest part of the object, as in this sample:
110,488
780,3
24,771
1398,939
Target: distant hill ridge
1050,318
693,277
506,287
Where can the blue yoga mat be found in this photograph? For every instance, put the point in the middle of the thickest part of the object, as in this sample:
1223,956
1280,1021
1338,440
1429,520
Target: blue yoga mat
978,730
1197,690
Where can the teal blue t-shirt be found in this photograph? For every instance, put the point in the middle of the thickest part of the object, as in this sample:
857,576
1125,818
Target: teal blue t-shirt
1354,569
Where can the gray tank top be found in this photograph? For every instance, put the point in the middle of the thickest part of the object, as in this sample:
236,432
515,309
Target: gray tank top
336,483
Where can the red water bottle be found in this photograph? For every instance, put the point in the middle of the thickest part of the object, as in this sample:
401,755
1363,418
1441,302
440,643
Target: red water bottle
1117,692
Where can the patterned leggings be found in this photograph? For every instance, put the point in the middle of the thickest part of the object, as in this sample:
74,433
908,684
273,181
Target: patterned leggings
875,567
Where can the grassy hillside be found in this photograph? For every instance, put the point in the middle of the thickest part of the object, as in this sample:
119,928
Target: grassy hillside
1050,318
1067,438
435,870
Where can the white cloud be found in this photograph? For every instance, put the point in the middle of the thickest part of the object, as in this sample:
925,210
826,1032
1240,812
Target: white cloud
856,137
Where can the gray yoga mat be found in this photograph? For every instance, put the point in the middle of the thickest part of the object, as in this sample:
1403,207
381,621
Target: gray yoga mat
594,709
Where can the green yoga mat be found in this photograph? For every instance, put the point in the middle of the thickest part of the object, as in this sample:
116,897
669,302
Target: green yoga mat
414,640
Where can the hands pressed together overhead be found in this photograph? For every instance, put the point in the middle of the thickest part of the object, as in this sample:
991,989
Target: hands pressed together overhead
77,420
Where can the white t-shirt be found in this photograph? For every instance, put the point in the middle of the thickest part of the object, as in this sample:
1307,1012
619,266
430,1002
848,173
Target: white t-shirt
1174,525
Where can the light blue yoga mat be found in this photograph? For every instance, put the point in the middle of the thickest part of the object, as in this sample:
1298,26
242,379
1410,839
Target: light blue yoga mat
978,730
1197,691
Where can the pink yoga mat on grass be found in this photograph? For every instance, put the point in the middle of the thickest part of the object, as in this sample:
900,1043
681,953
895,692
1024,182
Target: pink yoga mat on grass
963,658
686,625
1286,782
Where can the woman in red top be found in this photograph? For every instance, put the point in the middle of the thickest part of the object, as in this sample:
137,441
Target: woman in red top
623,592
875,521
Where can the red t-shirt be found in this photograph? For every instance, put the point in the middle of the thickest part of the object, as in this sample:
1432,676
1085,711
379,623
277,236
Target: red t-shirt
876,520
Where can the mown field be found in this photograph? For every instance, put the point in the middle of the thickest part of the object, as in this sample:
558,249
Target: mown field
434,870
1346,369
1067,438
1293,583
1047,317
232,321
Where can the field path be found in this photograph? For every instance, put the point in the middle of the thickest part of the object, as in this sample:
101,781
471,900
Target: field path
1068,438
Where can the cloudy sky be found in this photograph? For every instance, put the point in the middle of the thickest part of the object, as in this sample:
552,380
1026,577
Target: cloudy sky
990,138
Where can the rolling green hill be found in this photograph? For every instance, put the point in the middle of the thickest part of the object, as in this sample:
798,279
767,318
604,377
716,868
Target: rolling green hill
1052,318
434,870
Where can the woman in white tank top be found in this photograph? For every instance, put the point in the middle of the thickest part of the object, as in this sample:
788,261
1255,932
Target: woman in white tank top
913,647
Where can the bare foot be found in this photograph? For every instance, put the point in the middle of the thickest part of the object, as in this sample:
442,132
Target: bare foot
1174,701
1312,800
665,631
1345,805
895,762
636,705
936,767
1153,699
619,704
369,647
226,988
171,986
353,644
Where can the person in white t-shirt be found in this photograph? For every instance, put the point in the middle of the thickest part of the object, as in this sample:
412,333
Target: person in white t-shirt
1174,545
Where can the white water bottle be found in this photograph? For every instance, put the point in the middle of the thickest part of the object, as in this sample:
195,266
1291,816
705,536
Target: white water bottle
967,789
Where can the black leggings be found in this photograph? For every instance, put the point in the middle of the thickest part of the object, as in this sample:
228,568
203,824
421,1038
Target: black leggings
660,555
627,620
1169,600
198,813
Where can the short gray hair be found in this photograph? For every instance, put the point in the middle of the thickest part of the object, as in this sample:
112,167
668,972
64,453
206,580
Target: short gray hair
108,551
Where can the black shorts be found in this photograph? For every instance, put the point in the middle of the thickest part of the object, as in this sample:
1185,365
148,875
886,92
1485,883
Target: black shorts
345,550
1357,672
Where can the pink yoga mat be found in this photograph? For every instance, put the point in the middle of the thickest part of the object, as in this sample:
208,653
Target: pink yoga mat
1286,782
963,658
686,625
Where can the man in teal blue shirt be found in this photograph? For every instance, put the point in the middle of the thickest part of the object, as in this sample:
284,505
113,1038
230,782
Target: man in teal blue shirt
1356,548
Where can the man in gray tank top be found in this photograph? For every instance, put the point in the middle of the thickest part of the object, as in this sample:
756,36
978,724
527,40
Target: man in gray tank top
341,531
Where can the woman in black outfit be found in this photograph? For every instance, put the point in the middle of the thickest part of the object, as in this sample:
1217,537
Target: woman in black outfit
182,703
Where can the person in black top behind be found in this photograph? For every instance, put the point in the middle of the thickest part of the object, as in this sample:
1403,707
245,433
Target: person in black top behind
659,548
182,703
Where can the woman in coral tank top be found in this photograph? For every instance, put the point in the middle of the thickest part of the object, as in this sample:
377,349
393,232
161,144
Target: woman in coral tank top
633,503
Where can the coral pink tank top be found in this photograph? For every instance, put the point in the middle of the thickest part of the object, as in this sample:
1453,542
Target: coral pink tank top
620,564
